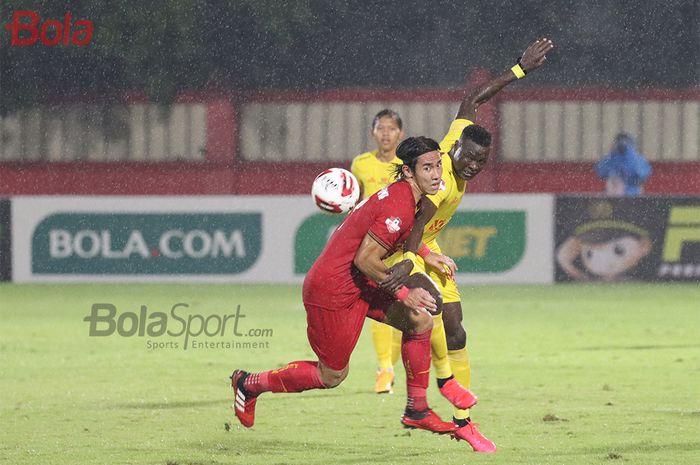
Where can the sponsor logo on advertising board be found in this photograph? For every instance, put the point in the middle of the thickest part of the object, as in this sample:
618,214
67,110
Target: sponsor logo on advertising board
146,243
618,239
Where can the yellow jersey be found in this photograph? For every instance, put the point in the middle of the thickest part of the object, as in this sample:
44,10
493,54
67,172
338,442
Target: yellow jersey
452,188
372,173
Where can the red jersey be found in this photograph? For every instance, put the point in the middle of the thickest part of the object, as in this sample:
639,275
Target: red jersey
387,216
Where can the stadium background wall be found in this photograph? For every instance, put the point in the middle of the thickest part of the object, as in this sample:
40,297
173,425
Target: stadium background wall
225,168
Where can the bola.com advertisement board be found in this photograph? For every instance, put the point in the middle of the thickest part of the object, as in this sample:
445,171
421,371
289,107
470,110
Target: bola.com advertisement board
137,239
251,239
627,239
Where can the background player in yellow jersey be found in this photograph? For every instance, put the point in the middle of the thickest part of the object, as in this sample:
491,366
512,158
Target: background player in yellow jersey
375,170
465,149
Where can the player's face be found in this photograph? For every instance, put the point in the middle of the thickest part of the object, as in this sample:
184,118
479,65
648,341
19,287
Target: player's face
387,134
428,172
469,158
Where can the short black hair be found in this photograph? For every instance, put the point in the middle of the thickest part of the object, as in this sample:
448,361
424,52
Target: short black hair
410,149
477,134
391,114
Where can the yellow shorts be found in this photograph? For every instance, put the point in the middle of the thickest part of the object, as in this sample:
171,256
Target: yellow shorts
446,285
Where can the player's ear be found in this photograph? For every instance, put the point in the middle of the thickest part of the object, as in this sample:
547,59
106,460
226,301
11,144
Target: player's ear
457,145
407,173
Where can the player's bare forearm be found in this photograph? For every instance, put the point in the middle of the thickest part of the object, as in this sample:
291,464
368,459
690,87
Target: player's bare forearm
472,100
397,275
426,210
375,270
533,57
368,259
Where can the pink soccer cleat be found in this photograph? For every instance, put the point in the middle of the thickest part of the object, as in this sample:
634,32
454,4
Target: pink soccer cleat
470,433
458,395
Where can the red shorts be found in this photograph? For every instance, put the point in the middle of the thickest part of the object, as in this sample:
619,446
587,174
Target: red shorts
333,332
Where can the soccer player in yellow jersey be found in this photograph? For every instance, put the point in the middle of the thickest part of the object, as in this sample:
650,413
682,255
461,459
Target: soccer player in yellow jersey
465,150
375,170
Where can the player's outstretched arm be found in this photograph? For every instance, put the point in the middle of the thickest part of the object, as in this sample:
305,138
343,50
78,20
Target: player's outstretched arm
533,57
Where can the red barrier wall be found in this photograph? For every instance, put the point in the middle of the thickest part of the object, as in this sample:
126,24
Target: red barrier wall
248,178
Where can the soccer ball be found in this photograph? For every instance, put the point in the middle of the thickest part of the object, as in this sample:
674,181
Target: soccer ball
335,190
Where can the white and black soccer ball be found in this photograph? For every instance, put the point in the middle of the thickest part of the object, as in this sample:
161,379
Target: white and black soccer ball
335,190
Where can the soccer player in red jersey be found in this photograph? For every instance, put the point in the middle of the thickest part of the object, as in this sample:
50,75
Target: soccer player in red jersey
341,289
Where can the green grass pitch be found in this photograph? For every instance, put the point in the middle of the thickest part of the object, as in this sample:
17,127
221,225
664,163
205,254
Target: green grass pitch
566,374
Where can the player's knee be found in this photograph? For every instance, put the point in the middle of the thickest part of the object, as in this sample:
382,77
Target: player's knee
332,378
422,322
457,338
422,280
454,331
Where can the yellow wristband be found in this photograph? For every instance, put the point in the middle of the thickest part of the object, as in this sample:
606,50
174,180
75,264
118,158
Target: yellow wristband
409,256
518,71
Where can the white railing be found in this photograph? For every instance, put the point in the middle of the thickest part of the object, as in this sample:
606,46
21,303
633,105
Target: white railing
316,131
584,130
531,129
529,126
105,133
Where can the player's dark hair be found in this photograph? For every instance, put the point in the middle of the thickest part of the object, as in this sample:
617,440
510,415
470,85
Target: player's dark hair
391,114
410,149
477,134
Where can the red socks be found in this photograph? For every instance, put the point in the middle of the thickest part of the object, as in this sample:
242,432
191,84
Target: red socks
294,377
303,375
415,352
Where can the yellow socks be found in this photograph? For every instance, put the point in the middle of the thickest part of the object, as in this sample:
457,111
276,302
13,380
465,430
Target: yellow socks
396,337
459,361
383,337
438,346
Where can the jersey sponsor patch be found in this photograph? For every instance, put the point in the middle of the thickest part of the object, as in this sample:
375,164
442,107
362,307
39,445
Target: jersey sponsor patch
383,193
393,224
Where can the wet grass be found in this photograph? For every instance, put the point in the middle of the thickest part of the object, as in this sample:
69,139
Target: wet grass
568,374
